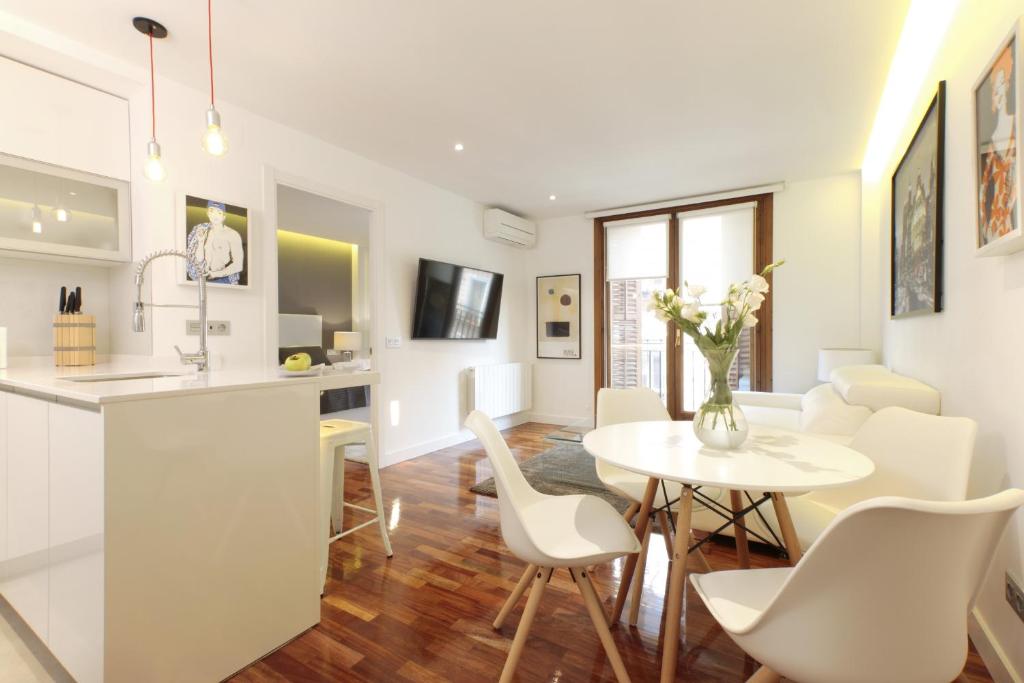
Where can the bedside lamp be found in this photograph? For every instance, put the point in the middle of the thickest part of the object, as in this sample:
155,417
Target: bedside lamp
830,359
347,342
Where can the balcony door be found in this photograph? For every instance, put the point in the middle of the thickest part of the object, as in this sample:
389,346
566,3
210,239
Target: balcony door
712,244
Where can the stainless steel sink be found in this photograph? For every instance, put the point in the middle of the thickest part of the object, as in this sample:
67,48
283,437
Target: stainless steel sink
120,377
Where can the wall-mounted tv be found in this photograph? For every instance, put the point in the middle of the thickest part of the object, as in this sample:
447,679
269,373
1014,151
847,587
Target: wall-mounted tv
456,302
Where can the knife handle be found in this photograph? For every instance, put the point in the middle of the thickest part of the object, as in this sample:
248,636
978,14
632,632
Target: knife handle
71,303
78,300
63,300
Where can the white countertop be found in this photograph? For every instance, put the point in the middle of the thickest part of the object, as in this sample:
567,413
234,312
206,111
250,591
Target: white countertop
39,376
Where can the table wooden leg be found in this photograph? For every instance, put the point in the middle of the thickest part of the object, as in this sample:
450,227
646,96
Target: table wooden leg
676,587
642,521
788,530
742,547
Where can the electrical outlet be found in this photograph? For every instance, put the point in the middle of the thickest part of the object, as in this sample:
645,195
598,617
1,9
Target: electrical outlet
1014,596
392,342
214,328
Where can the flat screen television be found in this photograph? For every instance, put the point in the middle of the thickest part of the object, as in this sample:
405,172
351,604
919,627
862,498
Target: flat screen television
456,302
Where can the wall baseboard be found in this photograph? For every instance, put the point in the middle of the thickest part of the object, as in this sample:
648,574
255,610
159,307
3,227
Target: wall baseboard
453,439
991,652
560,420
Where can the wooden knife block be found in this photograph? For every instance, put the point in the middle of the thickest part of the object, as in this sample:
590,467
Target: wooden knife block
74,339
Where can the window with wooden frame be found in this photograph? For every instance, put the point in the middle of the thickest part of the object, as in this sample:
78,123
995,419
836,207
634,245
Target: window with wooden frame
710,243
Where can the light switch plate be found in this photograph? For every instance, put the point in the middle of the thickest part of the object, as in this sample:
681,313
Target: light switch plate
214,328
1014,596
392,342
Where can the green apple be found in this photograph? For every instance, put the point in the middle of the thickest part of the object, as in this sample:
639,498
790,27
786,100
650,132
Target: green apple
298,362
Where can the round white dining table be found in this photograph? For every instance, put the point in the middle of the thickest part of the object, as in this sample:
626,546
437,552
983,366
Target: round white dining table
772,461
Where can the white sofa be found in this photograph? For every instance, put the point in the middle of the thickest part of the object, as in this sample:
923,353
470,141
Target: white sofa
835,411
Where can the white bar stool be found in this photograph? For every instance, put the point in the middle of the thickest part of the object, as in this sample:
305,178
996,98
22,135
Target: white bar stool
335,435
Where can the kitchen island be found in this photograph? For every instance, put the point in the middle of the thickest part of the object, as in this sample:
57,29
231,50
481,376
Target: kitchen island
156,524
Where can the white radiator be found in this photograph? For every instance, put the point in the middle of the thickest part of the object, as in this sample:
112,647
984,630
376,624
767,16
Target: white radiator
498,390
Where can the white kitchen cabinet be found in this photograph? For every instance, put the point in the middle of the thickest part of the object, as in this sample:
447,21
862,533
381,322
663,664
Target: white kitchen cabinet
26,580
76,540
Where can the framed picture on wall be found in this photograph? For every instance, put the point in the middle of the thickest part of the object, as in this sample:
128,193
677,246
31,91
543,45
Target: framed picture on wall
220,231
558,316
917,190
997,119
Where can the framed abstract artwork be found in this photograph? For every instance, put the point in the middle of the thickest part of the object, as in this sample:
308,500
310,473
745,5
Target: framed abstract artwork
221,232
558,316
917,190
997,119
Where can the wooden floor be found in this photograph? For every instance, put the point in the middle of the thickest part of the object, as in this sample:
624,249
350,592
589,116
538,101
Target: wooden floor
425,615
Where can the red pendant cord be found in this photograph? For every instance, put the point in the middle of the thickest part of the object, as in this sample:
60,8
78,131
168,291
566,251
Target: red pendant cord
152,84
209,38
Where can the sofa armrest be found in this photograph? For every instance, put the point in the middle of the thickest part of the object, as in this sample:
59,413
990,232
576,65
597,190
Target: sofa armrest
766,399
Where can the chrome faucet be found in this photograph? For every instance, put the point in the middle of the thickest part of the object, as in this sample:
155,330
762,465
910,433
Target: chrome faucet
200,358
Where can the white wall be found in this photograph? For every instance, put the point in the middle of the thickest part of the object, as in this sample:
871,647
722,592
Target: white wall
817,293
563,389
971,351
817,302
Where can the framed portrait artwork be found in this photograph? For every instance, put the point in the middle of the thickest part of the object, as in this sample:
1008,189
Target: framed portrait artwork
997,172
917,190
220,231
558,316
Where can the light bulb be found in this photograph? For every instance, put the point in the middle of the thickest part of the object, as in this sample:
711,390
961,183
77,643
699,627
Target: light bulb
214,141
61,214
154,169
37,220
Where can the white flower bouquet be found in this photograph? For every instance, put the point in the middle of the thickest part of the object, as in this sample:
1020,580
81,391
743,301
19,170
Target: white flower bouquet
719,422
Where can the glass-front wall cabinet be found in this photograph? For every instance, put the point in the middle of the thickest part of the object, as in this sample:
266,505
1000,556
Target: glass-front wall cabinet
50,210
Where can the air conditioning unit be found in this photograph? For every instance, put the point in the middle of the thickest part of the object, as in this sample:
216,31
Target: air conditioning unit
501,226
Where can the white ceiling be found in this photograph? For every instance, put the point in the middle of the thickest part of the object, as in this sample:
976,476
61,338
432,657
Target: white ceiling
601,102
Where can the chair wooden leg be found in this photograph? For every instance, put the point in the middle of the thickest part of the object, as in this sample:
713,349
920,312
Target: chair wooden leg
630,512
540,580
598,617
666,530
764,675
514,596
643,521
638,580
787,528
742,546
700,557
676,587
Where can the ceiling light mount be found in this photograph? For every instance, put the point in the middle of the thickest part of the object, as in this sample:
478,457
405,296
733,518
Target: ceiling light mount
149,27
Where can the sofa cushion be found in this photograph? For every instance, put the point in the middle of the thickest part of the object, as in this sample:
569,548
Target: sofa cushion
825,412
877,387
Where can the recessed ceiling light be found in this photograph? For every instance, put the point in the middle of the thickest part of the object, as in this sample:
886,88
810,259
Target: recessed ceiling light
459,147
552,197
73,194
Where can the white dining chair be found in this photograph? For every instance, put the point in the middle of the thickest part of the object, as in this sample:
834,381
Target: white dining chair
550,532
915,455
884,594
618,406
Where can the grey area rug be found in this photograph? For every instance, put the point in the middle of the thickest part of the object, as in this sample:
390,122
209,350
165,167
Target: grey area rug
564,470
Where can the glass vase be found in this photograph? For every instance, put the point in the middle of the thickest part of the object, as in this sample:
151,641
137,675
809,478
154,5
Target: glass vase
720,423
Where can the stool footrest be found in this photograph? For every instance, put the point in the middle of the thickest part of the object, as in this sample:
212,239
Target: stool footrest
357,527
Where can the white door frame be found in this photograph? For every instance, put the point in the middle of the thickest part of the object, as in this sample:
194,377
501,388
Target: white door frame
272,178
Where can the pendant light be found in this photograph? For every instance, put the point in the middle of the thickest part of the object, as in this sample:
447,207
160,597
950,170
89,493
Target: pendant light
154,168
214,141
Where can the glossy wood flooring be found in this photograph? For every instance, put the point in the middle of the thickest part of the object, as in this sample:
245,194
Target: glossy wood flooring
425,615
